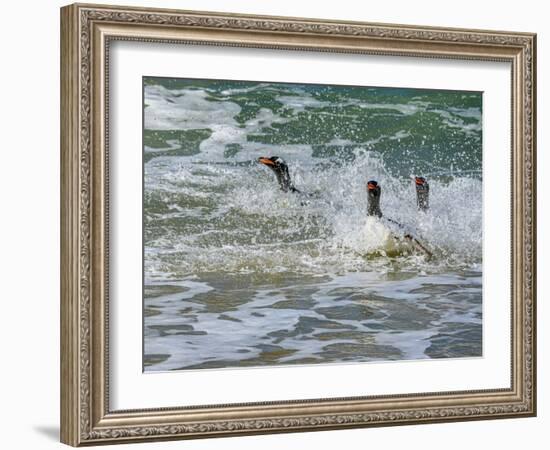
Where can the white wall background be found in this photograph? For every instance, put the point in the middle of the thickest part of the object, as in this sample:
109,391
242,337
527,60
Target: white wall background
29,225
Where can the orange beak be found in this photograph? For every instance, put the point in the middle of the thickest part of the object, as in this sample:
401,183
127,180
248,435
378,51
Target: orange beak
371,186
266,161
419,180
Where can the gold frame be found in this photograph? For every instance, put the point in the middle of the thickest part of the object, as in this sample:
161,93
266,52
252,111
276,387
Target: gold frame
86,31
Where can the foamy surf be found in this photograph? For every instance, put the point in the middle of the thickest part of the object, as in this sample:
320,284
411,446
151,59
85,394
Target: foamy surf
378,237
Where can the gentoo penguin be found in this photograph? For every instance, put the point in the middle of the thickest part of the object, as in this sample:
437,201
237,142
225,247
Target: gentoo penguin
373,195
279,167
373,209
422,193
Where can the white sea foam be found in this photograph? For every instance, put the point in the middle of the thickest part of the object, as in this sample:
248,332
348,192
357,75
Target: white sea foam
329,230
185,109
301,102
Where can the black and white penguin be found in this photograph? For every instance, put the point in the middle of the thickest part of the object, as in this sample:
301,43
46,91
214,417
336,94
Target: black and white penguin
422,193
280,168
373,198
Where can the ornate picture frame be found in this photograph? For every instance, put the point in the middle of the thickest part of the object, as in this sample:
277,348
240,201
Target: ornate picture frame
87,32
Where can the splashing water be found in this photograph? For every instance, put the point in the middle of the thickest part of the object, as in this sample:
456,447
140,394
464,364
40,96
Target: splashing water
238,273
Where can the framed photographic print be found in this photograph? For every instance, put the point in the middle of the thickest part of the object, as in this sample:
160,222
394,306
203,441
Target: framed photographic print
275,224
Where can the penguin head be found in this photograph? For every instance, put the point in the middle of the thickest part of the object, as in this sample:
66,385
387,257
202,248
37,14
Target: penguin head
275,163
420,183
278,165
373,188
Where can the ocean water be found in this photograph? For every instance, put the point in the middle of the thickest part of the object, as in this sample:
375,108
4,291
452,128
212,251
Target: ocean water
238,273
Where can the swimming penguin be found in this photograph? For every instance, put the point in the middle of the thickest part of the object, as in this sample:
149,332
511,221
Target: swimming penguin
278,165
374,192
373,195
422,193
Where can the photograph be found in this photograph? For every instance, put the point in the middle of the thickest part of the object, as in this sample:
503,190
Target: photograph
301,224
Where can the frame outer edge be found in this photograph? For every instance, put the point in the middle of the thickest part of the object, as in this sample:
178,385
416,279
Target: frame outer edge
79,411
70,314
533,235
